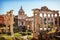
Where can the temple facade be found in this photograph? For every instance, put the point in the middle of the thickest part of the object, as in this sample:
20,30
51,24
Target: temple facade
47,19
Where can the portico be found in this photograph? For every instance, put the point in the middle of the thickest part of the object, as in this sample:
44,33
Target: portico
43,13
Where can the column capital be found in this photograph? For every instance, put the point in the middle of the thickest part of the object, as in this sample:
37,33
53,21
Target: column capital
36,10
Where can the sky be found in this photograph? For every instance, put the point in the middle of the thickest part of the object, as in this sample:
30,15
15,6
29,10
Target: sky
28,5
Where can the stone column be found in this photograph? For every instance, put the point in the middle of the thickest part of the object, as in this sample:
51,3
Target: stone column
50,20
0,30
7,22
42,21
11,23
36,23
53,20
47,21
32,25
57,19
24,23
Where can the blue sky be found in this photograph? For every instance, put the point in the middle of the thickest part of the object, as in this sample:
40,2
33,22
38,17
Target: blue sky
28,5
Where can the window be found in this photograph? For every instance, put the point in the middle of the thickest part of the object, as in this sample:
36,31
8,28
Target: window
22,23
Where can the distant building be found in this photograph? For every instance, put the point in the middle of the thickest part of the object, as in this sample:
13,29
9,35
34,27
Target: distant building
1,19
23,20
6,21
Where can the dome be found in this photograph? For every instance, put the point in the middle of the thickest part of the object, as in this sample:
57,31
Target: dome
21,11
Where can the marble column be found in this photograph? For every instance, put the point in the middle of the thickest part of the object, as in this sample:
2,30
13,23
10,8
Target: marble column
53,20
36,23
32,25
11,23
50,20
47,21
57,19
42,21
0,30
6,22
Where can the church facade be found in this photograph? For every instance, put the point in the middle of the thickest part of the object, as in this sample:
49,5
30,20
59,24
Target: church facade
23,20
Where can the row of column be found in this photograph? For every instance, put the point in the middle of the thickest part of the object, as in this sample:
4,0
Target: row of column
52,20
36,13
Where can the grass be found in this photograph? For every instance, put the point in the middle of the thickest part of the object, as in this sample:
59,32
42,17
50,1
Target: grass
17,36
5,37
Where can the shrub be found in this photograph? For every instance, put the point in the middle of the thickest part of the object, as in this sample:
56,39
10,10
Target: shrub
17,34
5,38
29,33
16,29
8,38
30,37
18,38
23,33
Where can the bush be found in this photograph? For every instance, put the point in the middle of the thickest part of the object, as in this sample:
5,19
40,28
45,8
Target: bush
16,29
29,33
5,38
17,35
30,37
18,38
24,33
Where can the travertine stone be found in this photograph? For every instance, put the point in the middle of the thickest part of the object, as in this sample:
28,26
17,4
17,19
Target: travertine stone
6,23
11,23
57,20
47,20
36,23
53,19
50,20
43,21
